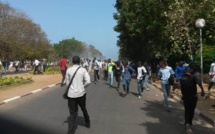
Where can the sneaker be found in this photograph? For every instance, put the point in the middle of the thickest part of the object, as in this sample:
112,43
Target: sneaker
139,97
188,129
169,110
87,125
141,92
123,95
147,89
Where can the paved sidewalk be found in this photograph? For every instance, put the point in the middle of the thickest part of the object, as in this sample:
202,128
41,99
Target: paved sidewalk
204,108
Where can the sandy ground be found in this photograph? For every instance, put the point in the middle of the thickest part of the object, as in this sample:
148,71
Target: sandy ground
39,81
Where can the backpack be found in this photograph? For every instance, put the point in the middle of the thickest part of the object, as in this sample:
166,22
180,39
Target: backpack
188,86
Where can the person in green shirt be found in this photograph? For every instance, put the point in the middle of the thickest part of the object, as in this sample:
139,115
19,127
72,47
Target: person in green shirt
110,72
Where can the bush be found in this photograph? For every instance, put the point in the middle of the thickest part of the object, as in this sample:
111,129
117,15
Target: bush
13,80
49,70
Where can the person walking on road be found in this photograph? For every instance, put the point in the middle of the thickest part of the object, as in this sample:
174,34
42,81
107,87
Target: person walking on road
179,71
110,72
96,70
189,82
148,74
63,68
141,71
165,72
128,73
118,72
77,93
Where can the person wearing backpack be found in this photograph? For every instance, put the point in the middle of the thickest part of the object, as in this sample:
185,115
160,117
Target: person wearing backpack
165,72
189,81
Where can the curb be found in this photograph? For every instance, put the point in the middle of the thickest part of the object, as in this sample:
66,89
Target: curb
197,112
30,93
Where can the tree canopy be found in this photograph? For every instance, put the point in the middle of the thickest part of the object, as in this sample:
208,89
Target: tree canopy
70,47
162,28
20,37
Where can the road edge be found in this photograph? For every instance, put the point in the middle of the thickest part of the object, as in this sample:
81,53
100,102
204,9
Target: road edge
197,112
27,94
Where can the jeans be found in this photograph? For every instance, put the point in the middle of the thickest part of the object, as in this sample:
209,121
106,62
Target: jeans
73,109
110,78
166,90
146,80
118,79
126,84
189,106
140,86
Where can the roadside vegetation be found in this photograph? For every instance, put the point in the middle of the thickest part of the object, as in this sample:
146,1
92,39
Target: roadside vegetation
7,81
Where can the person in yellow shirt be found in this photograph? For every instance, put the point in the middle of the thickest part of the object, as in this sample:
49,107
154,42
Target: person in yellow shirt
110,72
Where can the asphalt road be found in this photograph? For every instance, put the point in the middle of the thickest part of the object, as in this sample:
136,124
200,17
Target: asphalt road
46,112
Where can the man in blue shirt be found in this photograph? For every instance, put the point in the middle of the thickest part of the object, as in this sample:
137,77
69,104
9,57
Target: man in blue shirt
179,70
165,72
128,73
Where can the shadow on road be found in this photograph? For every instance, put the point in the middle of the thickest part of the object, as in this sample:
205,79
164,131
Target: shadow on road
163,119
10,126
78,122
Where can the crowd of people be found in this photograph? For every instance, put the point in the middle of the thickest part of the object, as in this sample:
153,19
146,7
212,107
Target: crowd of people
16,66
184,76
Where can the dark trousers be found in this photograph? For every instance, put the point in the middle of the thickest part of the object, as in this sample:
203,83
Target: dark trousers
16,69
118,79
36,69
63,72
189,106
73,109
44,68
96,75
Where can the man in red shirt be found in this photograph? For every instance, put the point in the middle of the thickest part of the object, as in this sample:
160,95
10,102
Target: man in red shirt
63,68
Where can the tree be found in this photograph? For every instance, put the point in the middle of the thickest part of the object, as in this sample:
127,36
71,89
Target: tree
20,38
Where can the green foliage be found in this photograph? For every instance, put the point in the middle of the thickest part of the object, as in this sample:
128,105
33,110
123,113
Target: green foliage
53,70
21,38
49,70
208,57
151,29
13,80
70,47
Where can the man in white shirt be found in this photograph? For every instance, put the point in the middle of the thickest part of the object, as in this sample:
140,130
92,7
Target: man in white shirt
77,93
96,70
141,72
36,66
